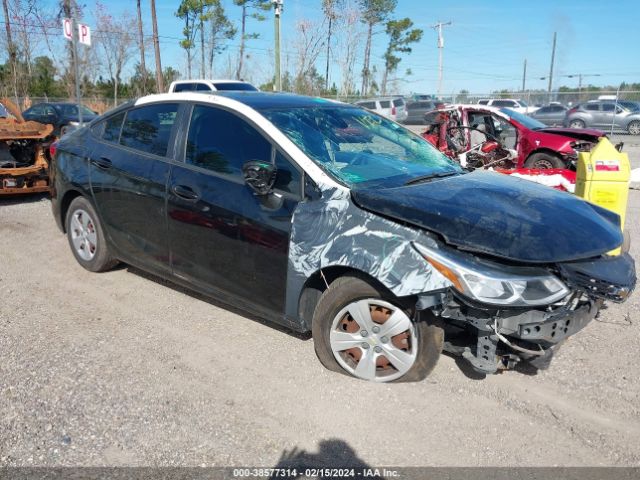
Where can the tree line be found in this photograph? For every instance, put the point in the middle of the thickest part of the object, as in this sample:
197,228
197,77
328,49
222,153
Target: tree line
38,63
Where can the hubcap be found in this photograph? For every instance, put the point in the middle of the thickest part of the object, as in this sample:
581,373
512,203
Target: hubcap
576,125
83,235
373,340
634,128
543,163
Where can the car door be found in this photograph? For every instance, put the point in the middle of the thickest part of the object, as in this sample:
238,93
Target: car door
594,115
129,170
223,237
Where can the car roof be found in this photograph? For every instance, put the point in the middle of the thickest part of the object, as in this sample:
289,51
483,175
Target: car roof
255,100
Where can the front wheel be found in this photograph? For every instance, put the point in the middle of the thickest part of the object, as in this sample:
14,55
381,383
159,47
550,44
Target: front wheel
577,124
634,128
543,161
86,237
361,331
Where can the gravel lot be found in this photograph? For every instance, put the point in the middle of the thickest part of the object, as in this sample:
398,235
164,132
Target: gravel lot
124,369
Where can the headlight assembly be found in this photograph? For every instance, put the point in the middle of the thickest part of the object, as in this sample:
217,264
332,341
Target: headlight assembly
495,284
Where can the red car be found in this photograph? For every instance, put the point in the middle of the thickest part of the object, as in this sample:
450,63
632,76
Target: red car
482,137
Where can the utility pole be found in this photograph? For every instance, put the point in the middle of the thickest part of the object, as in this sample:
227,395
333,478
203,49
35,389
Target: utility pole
156,46
70,13
553,57
438,26
279,7
524,75
143,68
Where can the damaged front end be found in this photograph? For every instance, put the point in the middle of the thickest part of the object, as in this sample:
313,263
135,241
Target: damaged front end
24,167
498,321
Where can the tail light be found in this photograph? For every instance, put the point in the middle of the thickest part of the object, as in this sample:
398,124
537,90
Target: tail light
53,148
393,110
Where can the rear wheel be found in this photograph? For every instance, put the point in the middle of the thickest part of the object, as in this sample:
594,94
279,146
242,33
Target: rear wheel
576,124
543,160
634,128
360,331
86,237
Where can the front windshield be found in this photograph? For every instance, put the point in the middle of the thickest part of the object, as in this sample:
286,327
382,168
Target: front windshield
360,148
522,119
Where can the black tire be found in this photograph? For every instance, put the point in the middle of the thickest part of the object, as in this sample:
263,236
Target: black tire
100,258
348,289
634,128
543,160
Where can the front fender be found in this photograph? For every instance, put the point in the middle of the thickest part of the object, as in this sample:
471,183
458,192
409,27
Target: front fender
333,232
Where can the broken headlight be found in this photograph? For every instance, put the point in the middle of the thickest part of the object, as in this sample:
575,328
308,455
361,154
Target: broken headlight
495,284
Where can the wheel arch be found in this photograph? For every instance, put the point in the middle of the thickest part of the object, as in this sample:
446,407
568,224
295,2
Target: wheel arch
318,282
68,197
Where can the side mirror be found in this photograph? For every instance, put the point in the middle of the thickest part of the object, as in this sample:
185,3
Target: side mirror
260,176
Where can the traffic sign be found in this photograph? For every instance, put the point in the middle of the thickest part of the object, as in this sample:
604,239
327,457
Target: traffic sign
84,34
67,29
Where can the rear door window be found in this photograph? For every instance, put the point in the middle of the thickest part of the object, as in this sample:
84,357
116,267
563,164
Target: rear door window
385,104
148,128
112,127
592,107
398,102
369,105
203,87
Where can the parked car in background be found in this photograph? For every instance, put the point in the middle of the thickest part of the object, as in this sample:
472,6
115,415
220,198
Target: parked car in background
380,246
394,108
63,116
3,112
210,86
416,111
604,114
465,128
552,114
515,104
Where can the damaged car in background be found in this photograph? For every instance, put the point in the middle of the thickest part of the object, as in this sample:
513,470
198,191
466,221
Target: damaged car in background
24,165
328,218
488,137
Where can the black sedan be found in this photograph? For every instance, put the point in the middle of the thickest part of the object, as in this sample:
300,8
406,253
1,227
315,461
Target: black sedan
327,218
63,116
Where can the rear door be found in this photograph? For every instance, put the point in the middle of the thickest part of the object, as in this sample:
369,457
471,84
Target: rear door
223,237
130,165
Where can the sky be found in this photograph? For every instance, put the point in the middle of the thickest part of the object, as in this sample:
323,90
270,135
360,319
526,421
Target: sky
484,47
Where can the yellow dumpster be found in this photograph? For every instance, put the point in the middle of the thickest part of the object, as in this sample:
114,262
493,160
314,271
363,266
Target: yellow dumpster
603,178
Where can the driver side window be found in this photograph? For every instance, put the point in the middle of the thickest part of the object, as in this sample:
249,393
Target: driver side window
505,132
222,142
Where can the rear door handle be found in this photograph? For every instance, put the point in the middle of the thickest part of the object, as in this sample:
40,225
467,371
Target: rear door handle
185,192
102,162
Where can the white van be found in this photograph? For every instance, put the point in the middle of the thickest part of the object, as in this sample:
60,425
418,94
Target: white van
515,104
393,108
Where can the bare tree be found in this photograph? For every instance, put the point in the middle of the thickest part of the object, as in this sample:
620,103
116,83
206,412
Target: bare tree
330,9
116,39
247,6
349,37
308,45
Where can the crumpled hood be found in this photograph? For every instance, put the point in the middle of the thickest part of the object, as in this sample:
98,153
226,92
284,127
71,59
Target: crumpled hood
501,216
585,134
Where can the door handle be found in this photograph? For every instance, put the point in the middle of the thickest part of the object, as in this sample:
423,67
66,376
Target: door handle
102,162
185,192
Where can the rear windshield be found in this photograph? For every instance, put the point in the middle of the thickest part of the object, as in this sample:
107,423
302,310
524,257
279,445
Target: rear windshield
235,86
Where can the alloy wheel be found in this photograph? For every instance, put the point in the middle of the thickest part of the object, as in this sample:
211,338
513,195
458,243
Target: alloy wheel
373,340
577,124
83,234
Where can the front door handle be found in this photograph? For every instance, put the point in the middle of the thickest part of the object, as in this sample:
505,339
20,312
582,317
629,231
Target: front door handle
102,162
185,192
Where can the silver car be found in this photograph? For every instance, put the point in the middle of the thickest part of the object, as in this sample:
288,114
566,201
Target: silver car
605,114
552,114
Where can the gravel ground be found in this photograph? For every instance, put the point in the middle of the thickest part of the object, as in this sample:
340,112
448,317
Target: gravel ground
121,368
